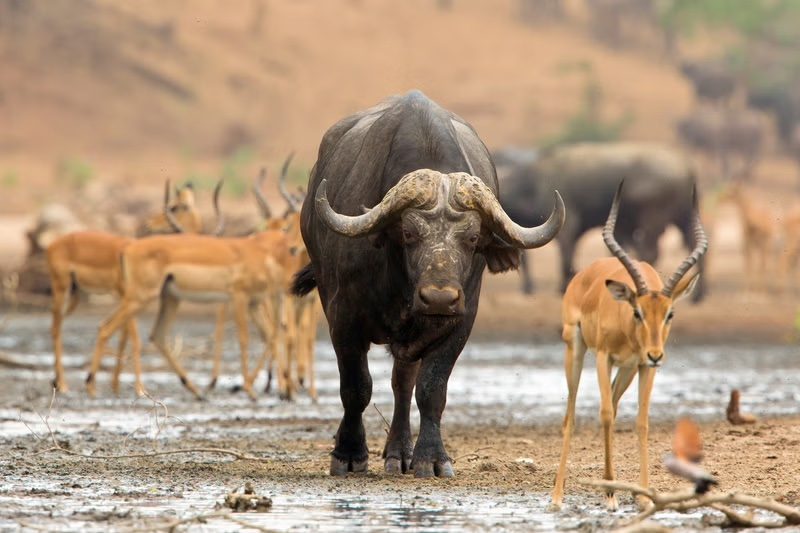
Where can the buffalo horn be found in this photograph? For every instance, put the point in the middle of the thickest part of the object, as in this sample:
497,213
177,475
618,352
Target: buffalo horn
473,193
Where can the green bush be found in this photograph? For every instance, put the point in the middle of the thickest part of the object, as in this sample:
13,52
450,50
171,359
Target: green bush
74,172
588,124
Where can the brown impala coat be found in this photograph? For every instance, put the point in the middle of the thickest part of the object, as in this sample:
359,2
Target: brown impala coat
199,268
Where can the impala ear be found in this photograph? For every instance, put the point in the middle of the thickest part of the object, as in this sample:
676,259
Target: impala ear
685,287
620,291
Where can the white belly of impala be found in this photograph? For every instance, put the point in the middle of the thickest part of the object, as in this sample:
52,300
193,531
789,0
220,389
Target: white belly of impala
200,284
199,296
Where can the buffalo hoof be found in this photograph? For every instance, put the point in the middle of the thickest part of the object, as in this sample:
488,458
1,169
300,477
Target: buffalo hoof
395,466
433,468
340,467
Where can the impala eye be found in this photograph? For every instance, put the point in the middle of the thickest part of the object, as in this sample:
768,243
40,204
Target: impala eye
637,314
670,315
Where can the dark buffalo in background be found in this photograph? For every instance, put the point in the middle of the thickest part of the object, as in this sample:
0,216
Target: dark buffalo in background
732,137
711,80
658,193
405,270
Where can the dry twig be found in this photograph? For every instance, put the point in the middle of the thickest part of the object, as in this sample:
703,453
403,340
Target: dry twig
687,500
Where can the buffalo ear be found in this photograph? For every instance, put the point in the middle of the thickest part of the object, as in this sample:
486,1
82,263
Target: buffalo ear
501,257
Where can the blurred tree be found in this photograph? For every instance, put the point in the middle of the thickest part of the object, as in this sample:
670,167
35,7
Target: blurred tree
588,123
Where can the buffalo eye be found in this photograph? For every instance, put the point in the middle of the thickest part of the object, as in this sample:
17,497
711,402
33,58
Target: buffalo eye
637,314
473,239
409,236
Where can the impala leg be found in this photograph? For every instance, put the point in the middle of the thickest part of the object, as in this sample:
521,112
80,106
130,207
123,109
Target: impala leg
60,290
621,383
219,334
256,312
607,421
261,316
301,334
284,310
120,358
270,323
136,355
573,366
166,316
310,340
646,377
240,305
123,313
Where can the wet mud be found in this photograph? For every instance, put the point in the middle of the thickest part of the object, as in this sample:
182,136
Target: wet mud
501,426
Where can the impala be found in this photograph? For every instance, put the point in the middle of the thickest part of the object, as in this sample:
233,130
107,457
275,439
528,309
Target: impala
620,309
759,231
301,315
90,261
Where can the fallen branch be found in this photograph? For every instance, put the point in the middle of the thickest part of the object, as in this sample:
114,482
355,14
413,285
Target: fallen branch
56,447
688,500
236,454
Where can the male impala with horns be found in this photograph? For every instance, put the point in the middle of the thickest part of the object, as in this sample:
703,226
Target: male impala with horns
401,218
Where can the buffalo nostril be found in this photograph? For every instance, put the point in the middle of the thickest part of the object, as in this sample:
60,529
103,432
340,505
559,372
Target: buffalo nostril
444,296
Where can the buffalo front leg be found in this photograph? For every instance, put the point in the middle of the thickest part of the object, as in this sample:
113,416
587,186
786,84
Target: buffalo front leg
399,446
430,457
355,389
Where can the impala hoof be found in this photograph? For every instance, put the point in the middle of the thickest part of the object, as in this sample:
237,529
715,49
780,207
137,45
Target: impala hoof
554,507
340,467
611,502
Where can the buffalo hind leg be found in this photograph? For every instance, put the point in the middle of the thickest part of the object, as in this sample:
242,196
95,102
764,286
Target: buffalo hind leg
399,446
355,389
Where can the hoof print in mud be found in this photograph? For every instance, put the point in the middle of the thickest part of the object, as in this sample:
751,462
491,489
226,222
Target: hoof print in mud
341,467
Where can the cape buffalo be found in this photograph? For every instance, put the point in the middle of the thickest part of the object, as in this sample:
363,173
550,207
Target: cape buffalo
407,271
657,183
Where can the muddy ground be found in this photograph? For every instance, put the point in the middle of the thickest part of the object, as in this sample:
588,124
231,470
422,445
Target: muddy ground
502,427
